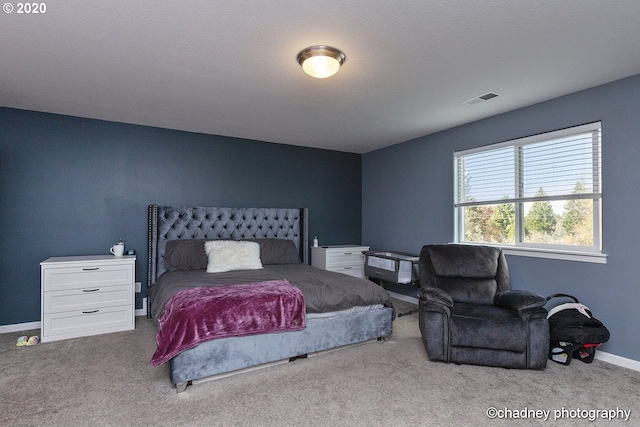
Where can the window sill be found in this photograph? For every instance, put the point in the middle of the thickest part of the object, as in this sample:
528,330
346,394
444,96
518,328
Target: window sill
554,254
596,258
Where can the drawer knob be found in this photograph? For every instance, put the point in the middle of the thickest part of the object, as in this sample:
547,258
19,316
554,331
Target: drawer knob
91,268
91,290
90,312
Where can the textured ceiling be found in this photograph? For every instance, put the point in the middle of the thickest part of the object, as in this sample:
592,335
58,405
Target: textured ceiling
229,67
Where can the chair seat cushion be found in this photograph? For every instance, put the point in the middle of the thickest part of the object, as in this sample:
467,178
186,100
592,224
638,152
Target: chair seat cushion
488,326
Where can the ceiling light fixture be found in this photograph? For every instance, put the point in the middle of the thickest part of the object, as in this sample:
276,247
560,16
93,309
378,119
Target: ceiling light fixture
321,61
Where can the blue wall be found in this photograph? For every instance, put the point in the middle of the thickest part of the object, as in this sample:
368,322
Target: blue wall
407,200
73,186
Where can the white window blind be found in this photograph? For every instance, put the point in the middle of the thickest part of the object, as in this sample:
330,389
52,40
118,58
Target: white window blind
543,190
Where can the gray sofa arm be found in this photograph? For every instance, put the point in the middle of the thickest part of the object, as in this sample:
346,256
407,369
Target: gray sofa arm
435,296
519,300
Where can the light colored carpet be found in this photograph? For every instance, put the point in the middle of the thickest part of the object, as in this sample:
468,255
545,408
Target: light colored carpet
107,380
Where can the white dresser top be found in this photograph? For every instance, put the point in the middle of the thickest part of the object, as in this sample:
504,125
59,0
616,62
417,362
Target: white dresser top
88,258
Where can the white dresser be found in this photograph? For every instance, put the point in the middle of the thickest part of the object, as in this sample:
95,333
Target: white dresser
86,295
347,259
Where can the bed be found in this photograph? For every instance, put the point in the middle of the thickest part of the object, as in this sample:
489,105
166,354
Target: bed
338,310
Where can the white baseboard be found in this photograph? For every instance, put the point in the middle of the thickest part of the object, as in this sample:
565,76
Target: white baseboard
18,327
618,360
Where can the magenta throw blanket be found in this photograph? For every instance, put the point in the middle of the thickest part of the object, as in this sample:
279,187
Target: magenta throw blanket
201,314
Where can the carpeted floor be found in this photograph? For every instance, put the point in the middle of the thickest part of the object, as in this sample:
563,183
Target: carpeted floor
107,380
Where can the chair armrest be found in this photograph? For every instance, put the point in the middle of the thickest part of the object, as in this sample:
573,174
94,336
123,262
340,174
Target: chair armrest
435,296
519,300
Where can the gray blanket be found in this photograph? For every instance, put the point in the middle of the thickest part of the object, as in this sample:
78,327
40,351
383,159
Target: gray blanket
324,291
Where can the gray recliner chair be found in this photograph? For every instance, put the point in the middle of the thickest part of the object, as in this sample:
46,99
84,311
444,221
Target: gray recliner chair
469,314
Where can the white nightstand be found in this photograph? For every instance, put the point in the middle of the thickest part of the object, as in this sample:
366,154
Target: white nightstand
86,295
347,259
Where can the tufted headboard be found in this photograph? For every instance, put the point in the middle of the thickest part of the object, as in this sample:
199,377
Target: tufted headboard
180,222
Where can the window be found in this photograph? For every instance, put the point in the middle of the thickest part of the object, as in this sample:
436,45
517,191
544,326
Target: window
541,193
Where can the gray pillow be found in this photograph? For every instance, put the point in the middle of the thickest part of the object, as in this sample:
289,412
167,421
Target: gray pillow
277,251
185,254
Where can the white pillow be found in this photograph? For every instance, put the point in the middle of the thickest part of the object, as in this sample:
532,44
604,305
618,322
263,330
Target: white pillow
227,255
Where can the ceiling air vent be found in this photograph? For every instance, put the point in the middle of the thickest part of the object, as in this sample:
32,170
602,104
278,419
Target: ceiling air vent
478,99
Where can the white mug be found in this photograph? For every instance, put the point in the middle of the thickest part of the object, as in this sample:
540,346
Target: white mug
117,249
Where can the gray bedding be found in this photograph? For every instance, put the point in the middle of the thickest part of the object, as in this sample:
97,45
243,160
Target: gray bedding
324,291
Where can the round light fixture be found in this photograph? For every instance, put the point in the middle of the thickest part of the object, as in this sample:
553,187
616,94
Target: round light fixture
321,61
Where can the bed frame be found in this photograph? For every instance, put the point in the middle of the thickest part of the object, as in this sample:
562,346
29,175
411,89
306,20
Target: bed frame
228,356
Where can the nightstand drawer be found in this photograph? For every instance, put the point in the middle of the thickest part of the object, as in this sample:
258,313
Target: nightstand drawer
86,322
87,276
87,298
346,258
